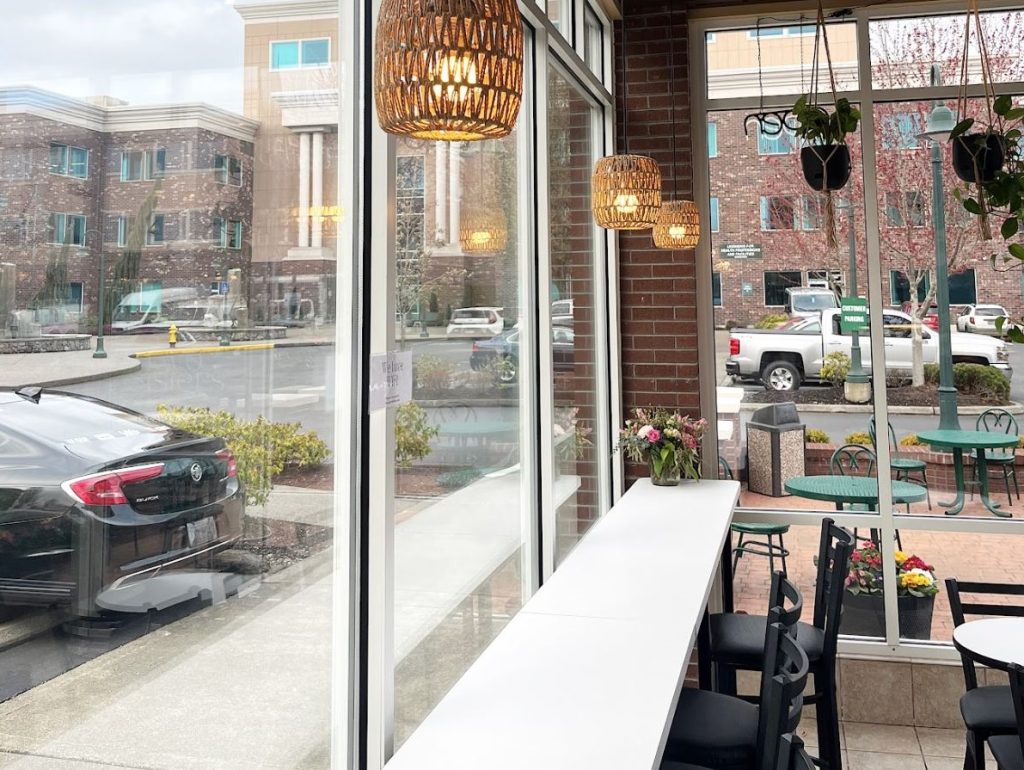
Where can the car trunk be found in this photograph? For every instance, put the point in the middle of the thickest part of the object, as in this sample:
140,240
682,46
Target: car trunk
192,476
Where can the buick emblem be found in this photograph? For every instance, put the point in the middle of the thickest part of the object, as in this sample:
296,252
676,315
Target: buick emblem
196,471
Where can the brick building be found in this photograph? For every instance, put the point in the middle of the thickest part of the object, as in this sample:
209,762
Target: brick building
164,193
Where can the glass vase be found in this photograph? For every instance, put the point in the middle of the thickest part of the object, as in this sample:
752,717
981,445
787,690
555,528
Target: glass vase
669,476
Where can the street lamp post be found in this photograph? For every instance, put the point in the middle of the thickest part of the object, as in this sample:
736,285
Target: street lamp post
100,352
941,122
858,384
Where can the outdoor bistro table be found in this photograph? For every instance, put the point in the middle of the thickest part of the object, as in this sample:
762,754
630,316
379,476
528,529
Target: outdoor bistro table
993,642
853,489
958,441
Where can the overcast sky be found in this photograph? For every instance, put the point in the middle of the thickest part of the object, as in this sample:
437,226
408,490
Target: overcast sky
142,51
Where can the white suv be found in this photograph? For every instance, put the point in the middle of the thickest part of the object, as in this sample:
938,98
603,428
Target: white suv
476,322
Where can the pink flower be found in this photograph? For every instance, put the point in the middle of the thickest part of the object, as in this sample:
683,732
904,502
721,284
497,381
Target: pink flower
690,441
645,431
654,435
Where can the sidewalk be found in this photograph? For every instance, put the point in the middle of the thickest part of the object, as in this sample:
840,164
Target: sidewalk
68,368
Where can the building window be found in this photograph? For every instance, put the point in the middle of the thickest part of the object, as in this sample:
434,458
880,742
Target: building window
122,231
782,143
778,212
297,54
73,294
963,288
593,41
709,38
714,214
716,289
155,233
67,229
812,211
775,284
899,287
712,139
69,161
793,31
228,170
409,192
904,208
900,131
229,232
143,164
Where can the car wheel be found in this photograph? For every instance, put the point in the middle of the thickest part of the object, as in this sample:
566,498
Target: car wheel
781,376
508,370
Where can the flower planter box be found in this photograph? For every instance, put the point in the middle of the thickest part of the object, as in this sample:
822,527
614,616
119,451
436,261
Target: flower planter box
864,615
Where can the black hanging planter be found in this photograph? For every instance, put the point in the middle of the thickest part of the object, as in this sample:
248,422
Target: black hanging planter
826,166
988,149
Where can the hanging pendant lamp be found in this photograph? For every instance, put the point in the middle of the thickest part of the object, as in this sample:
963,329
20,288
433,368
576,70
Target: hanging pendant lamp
484,231
448,70
626,189
678,225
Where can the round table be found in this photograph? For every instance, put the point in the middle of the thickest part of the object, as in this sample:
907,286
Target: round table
993,642
958,441
852,489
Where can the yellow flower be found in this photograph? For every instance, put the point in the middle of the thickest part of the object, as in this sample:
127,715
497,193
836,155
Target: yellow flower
901,557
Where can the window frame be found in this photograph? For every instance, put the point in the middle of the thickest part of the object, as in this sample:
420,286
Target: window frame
299,43
68,221
66,164
223,168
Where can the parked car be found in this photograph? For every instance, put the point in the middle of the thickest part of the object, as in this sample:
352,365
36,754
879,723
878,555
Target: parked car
980,319
476,322
96,499
784,358
930,318
804,302
505,347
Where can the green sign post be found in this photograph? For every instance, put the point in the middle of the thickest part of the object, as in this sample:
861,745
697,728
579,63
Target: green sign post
854,315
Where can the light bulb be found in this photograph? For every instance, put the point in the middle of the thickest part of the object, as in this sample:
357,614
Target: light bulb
480,238
677,232
626,203
455,73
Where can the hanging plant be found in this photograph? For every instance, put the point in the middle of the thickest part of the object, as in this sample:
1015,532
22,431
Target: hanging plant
986,151
825,156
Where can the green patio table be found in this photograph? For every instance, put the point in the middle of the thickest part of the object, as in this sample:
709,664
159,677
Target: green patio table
853,489
958,441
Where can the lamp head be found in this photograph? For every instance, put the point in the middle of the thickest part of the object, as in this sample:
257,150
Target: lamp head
940,124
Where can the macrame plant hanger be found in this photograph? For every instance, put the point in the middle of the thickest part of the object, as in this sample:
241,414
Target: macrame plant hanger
769,122
974,14
820,42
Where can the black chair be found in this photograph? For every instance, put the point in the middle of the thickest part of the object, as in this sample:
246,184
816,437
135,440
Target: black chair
1009,749
792,756
726,733
988,710
730,641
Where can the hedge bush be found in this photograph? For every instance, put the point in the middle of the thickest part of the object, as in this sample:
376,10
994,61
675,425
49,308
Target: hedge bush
859,437
815,436
835,367
911,440
412,434
974,379
262,449
433,373
771,321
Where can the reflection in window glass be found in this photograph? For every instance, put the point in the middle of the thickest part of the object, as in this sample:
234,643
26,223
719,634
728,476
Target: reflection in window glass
459,483
594,39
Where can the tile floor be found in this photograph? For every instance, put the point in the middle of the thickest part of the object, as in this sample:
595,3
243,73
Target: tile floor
893,747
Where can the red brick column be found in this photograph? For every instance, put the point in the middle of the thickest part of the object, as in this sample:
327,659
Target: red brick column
657,287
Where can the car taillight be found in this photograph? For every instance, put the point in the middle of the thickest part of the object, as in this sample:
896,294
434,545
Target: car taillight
476,348
107,488
970,319
734,346
229,457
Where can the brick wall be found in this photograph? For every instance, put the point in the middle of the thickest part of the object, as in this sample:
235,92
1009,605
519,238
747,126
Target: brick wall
657,287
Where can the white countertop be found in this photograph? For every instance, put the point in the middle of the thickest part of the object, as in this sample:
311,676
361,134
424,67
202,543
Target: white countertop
588,673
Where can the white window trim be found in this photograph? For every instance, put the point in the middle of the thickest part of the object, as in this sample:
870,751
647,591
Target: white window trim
67,161
227,170
299,65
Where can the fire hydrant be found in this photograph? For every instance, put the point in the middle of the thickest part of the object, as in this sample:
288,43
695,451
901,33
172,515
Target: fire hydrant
172,336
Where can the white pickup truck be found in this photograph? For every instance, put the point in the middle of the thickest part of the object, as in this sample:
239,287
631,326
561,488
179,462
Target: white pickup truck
785,357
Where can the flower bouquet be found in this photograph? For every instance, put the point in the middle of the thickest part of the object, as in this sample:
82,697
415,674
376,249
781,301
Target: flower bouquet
916,587
667,441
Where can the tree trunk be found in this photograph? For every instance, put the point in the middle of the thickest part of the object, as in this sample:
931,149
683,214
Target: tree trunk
916,356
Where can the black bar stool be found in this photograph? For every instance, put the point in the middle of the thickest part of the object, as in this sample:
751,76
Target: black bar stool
792,756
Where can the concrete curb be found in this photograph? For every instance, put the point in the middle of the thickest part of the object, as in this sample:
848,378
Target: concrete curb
1012,408
127,368
229,348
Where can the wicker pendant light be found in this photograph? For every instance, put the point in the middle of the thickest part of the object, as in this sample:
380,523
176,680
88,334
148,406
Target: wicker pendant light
678,225
449,70
626,189
484,231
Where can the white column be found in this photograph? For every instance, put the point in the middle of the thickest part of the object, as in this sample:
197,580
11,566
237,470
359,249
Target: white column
318,189
441,192
304,148
454,189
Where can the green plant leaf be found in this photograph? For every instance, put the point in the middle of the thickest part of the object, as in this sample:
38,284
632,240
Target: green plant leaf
1015,114
1009,228
1017,250
972,206
1002,105
961,128
1016,334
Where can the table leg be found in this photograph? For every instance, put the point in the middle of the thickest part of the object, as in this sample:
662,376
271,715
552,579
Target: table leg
957,504
983,479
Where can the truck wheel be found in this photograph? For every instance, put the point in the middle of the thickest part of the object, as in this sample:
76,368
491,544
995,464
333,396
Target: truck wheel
781,376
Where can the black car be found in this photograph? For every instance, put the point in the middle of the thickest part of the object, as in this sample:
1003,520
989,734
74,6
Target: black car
96,499
505,347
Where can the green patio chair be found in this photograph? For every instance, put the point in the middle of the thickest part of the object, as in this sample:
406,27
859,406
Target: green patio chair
856,460
767,547
905,468
997,420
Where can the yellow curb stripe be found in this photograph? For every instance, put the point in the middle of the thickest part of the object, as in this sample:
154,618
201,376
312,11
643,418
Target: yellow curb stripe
189,351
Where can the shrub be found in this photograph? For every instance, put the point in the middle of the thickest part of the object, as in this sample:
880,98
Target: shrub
432,373
974,379
911,440
859,437
931,374
815,436
835,367
262,449
771,321
458,479
412,434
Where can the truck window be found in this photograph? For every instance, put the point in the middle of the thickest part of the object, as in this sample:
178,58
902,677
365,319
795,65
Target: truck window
895,327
